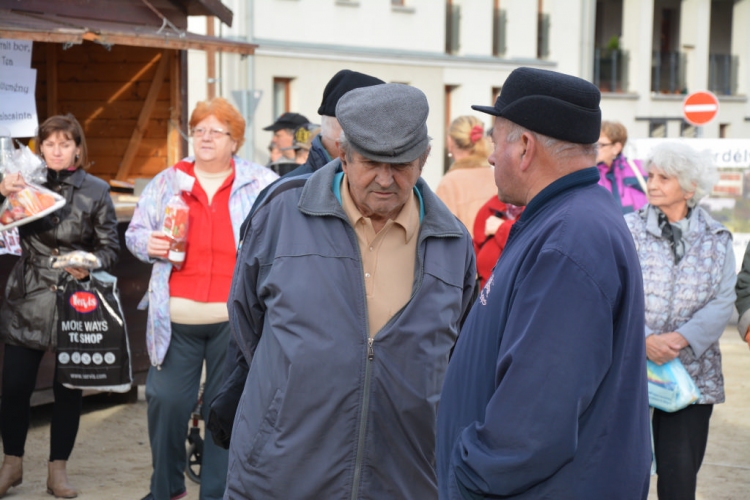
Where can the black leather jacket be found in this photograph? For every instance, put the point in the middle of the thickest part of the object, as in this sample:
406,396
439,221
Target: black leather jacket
86,222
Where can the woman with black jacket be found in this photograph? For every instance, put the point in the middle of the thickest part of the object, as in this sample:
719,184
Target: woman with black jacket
28,314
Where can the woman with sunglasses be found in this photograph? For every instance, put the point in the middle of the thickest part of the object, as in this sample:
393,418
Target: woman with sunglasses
187,318
618,174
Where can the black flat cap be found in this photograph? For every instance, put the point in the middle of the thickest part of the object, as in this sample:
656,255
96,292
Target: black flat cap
554,104
341,83
290,121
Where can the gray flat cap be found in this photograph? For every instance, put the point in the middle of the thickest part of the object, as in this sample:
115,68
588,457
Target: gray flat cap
386,123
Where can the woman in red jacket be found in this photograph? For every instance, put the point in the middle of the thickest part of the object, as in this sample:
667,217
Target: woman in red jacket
491,229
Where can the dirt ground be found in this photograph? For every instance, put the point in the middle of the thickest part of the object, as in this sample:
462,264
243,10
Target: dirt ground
111,459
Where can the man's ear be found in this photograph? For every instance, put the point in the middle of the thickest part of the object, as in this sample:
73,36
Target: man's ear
528,150
342,157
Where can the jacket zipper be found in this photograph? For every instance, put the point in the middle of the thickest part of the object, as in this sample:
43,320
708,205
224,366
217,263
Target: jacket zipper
363,419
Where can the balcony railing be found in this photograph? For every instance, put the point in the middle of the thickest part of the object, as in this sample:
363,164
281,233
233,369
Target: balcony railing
668,73
722,73
611,70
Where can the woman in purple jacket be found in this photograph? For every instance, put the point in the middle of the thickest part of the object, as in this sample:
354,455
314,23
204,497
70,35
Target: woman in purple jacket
617,173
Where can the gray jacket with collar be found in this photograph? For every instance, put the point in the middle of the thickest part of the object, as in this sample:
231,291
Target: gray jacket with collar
325,413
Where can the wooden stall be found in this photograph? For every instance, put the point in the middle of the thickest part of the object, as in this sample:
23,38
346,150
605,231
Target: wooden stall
120,67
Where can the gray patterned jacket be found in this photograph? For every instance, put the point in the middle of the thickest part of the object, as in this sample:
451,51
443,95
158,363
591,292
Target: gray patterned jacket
694,297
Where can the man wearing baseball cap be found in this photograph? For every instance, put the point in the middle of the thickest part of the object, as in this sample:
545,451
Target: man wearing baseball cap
545,396
283,136
342,393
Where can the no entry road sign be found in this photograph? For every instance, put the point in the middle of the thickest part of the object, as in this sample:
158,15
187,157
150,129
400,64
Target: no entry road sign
700,108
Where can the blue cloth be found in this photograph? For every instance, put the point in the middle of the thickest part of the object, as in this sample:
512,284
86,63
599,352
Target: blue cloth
545,395
171,394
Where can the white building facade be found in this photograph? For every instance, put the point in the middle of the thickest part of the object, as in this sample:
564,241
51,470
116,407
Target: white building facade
645,56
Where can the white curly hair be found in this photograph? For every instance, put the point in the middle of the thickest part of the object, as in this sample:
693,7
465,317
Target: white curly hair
694,170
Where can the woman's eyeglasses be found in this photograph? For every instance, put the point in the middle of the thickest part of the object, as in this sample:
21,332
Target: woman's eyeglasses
210,132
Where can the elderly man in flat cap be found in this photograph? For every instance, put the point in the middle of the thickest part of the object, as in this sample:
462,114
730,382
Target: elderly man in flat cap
346,301
323,150
545,396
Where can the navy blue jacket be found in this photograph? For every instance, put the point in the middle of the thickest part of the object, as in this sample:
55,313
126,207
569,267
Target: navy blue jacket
545,395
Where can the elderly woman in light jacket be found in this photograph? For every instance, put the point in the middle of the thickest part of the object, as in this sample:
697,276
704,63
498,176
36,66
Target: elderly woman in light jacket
688,277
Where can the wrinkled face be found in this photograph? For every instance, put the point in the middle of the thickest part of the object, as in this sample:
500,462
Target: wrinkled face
665,192
379,190
505,158
58,151
212,142
608,150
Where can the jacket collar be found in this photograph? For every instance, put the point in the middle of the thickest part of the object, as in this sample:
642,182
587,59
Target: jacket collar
75,179
318,154
577,179
698,221
472,161
243,174
318,199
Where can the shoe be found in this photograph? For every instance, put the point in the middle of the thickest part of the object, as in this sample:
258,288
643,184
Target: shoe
57,480
11,473
175,496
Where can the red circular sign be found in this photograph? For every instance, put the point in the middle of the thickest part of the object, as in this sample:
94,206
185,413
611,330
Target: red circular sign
83,302
700,108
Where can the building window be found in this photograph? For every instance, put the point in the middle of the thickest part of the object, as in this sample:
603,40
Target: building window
495,93
499,23
447,160
657,128
688,131
281,96
452,23
542,33
724,130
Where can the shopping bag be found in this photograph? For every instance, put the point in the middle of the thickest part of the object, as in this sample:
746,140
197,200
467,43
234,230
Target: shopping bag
670,388
92,340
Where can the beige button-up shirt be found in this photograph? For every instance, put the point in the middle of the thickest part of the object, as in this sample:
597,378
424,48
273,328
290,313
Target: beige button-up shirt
388,258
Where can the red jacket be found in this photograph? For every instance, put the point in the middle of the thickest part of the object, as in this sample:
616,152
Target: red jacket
489,248
206,275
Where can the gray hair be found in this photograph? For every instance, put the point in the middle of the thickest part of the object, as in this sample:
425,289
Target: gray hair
347,147
329,127
693,169
556,147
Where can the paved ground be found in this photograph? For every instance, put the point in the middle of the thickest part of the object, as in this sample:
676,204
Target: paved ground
112,460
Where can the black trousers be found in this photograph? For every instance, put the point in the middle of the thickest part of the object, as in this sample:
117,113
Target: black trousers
679,444
20,368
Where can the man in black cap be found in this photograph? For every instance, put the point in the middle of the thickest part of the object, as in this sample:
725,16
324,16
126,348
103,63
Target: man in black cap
346,301
545,395
283,136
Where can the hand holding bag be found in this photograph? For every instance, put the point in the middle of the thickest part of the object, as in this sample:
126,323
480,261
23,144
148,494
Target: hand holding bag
670,387
92,340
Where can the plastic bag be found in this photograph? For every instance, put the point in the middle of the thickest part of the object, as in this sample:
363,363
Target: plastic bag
27,205
670,387
77,258
175,228
33,201
92,339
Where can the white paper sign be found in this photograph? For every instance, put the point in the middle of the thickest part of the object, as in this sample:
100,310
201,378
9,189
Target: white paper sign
18,114
727,153
17,81
15,53
17,101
